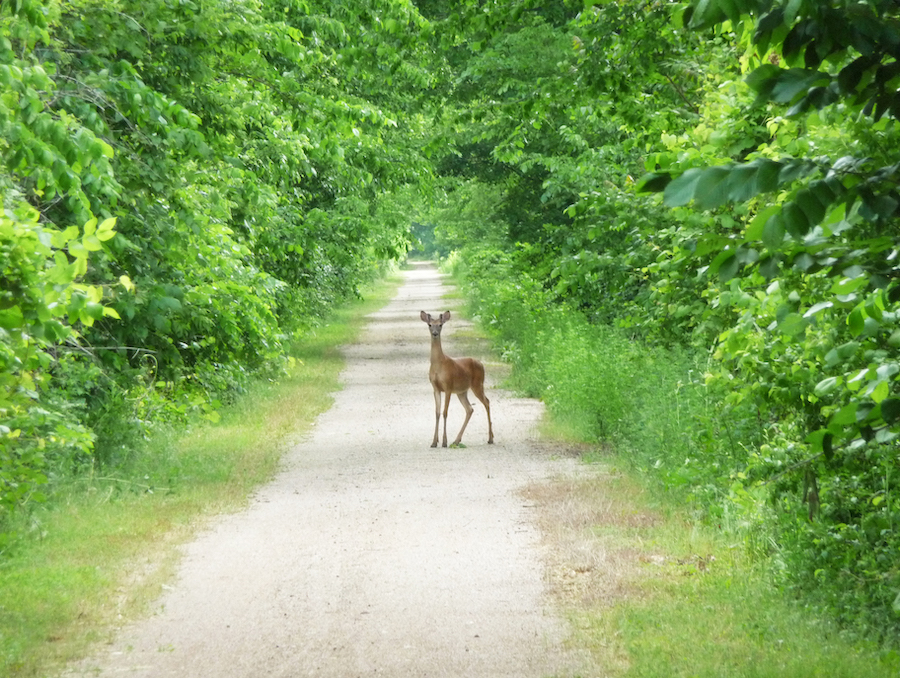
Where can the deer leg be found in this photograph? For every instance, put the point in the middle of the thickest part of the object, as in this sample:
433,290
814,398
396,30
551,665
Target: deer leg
487,406
478,390
437,417
464,399
446,408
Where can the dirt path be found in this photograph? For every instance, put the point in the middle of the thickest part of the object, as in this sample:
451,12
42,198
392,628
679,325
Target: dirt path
371,554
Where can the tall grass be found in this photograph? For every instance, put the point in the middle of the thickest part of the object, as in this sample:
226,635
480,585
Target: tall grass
647,409
653,594
102,548
649,403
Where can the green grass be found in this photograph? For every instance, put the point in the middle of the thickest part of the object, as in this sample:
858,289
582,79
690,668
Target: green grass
731,624
651,589
103,548
653,593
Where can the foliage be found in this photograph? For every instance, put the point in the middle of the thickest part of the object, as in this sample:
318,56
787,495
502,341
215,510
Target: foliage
713,180
42,306
812,275
56,588
248,153
761,236
826,237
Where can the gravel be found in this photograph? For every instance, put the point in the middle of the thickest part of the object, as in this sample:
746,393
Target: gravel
370,553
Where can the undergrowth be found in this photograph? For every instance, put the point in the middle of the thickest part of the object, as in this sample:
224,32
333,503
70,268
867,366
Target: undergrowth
656,407
103,544
651,592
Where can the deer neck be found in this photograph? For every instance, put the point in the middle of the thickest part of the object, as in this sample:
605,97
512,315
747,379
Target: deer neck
437,354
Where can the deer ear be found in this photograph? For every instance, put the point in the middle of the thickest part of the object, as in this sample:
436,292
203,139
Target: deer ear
445,316
424,316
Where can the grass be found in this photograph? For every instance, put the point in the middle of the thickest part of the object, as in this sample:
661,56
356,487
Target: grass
104,548
650,589
651,592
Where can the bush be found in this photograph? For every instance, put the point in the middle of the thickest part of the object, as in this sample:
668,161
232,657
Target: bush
833,541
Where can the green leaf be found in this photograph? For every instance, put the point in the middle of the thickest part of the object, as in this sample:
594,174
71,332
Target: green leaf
169,303
850,76
107,225
765,26
720,259
763,79
890,410
773,231
792,324
818,308
755,228
62,238
821,441
729,268
795,221
743,182
654,182
711,189
78,250
842,353
92,310
804,262
880,392
813,208
794,81
770,267
681,190
827,385
92,243
856,322
767,175
12,318
843,417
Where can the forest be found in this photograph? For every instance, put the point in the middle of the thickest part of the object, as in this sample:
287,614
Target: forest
678,220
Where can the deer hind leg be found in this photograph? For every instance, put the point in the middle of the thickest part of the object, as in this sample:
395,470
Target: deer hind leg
464,399
437,419
446,408
478,390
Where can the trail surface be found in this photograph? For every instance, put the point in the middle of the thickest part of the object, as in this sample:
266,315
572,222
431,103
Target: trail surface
371,554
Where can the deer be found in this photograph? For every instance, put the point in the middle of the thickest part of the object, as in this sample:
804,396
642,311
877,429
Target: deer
453,375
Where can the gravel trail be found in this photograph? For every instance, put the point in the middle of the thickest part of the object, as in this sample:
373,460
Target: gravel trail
371,554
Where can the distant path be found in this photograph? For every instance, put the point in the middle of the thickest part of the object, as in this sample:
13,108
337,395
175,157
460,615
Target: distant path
370,554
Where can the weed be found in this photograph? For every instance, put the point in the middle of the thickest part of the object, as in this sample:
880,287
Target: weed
650,592
102,547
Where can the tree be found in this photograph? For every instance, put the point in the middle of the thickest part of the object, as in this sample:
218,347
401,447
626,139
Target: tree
248,153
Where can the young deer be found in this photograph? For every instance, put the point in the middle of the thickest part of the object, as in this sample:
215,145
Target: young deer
451,376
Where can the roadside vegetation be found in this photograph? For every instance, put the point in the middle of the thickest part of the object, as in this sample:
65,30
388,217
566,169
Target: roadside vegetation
174,215
102,546
679,219
651,591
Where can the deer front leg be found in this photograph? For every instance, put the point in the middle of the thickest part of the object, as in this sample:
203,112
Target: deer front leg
464,399
437,417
